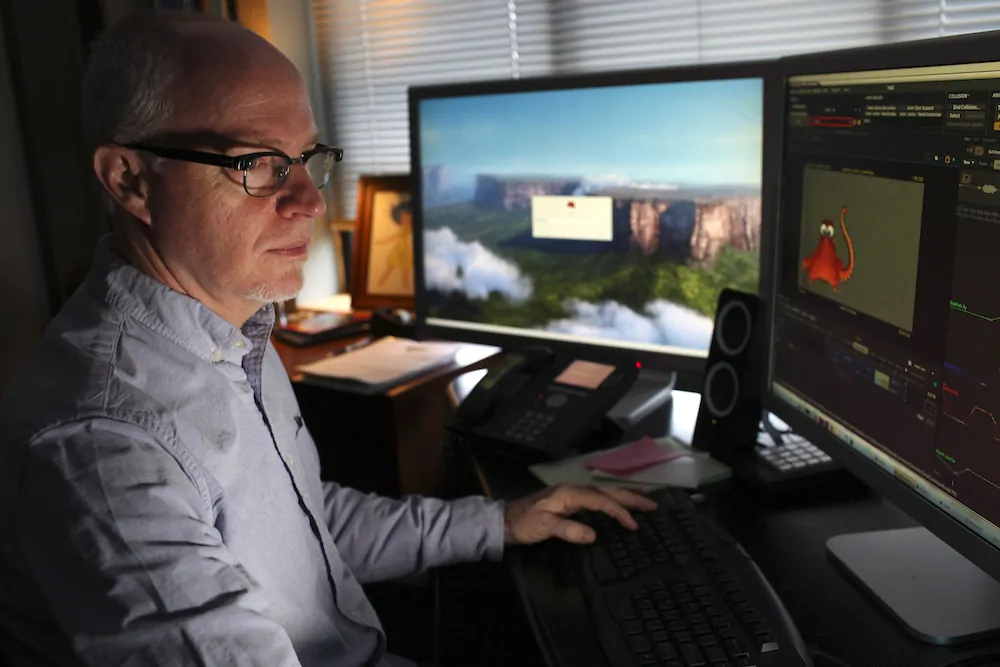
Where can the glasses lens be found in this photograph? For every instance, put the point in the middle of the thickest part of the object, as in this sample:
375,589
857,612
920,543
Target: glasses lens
320,168
265,175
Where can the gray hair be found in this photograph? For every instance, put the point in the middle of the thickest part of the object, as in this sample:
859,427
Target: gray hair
129,81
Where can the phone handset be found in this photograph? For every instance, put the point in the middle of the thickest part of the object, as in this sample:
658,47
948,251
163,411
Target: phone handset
501,382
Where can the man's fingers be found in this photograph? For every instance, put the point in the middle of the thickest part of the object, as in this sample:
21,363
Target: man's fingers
628,498
572,531
579,497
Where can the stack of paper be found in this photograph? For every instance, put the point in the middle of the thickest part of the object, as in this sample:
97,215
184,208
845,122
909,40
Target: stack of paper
638,465
383,364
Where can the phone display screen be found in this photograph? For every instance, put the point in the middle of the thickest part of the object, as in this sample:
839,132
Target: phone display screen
585,374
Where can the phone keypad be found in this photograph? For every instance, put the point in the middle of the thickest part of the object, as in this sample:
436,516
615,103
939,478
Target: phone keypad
793,456
529,426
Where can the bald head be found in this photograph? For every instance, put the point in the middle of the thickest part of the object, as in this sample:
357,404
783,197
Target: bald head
155,74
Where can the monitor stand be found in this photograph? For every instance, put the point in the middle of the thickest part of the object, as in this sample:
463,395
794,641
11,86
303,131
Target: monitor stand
937,594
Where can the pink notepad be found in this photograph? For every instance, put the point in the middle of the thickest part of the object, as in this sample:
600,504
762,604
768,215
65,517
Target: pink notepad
632,457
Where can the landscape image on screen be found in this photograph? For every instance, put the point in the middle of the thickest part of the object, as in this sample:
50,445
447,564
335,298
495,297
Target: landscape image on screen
609,214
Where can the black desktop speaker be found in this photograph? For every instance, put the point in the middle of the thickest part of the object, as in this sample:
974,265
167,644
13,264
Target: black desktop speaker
729,415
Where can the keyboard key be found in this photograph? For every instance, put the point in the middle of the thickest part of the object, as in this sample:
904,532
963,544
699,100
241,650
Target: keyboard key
735,649
701,629
640,644
647,659
650,614
660,636
715,654
653,626
666,651
683,637
692,656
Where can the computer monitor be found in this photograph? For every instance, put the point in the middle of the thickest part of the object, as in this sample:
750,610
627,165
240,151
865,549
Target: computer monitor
597,214
884,330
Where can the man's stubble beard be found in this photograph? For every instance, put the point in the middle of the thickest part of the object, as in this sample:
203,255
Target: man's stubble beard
271,293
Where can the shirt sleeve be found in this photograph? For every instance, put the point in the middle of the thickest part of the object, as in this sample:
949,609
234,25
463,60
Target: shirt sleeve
120,542
382,538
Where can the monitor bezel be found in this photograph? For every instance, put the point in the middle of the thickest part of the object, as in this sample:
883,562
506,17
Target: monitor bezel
955,50
689,368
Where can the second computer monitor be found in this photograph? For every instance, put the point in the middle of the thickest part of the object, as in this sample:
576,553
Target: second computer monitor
605,212
885,310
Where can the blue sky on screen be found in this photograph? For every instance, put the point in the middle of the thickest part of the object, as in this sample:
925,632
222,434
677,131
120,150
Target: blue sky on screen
687,133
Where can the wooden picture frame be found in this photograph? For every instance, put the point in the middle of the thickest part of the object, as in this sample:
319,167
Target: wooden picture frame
382,258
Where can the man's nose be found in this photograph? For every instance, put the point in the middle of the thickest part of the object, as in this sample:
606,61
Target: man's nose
300,196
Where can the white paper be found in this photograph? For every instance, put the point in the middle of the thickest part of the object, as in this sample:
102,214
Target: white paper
691,471
386,360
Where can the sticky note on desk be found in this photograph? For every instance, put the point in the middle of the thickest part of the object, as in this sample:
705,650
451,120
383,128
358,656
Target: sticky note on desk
633,457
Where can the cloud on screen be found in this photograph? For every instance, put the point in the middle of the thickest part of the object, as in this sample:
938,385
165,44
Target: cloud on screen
481,272
664,323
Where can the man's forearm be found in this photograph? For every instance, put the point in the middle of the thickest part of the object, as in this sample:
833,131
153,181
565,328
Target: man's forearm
382,538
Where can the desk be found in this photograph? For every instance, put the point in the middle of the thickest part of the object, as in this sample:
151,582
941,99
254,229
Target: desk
787,540
387,443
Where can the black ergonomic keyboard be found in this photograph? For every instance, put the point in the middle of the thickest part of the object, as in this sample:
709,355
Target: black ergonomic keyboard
679,592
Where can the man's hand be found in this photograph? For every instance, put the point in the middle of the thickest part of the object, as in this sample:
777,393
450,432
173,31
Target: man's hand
541,515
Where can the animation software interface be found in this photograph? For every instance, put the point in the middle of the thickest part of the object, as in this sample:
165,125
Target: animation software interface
603,214
889,311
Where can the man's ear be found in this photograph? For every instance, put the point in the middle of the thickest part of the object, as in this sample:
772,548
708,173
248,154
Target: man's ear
125,177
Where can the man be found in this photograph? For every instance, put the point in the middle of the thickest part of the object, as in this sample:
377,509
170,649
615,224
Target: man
160,502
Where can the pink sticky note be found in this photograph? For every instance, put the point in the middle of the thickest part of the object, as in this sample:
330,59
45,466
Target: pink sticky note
632,457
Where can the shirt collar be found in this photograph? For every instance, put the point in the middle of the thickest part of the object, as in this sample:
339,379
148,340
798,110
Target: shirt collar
171,314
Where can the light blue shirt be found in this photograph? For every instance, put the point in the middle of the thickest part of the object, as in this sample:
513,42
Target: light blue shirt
161,504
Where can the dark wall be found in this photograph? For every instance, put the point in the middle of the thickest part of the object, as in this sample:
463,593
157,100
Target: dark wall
45,48
24,309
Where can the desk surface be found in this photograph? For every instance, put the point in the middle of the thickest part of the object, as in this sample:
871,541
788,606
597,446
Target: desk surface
468,357
788,541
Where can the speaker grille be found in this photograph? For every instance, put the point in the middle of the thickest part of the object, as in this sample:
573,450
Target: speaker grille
733,327
722,389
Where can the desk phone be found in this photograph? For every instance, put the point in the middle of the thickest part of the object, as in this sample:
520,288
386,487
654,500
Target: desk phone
538,405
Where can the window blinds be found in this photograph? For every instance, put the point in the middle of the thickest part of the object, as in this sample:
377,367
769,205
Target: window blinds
370,51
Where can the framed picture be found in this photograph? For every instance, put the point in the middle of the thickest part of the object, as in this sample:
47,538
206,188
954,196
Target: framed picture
382,261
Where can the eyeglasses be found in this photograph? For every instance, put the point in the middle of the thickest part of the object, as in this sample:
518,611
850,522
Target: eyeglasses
263,172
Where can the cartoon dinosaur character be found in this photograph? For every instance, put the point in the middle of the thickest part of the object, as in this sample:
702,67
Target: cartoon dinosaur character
824,264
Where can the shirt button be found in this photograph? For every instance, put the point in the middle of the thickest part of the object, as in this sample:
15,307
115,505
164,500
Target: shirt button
216,356
240,344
